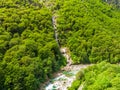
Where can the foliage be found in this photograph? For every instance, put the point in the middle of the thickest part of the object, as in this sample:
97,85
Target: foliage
102,76
29,53
90,28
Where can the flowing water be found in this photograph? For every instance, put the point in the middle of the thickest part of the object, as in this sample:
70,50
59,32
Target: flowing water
64,79
66,76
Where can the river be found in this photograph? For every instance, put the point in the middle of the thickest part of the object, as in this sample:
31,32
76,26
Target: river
64,78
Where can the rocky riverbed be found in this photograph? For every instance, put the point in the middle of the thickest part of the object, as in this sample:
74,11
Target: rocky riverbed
63,79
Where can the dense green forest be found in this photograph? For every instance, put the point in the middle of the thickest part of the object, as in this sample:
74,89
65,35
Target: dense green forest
29,53
102,76
90,28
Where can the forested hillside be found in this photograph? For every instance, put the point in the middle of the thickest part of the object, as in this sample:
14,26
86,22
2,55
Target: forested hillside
28,52
89,31
103,76
90,28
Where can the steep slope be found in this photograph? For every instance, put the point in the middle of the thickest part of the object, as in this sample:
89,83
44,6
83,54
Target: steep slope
29,53
90,29
102,76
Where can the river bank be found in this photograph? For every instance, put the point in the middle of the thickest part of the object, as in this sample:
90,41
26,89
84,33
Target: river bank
64,78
